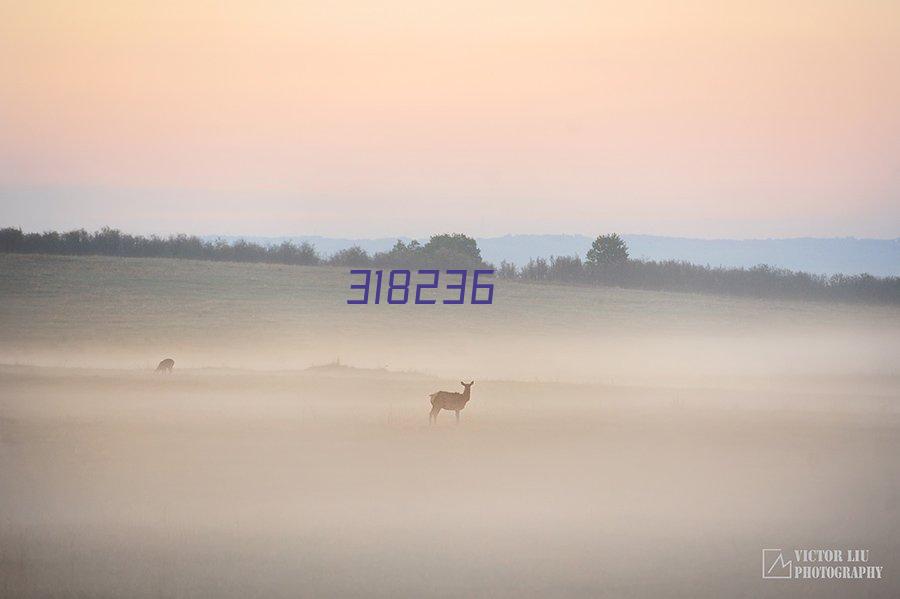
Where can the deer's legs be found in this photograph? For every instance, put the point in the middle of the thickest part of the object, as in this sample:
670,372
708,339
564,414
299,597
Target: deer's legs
434,414
457,416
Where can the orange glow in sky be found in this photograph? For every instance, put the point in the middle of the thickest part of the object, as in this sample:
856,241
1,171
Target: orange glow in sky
708,119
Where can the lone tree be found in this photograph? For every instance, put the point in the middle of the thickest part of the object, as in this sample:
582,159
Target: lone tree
607,250
441,251
452,251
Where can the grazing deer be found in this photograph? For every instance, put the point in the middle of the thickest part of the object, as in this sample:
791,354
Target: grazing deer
446,400
166,365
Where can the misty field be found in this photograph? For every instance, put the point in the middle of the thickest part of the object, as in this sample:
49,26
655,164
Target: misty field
128,313
617,444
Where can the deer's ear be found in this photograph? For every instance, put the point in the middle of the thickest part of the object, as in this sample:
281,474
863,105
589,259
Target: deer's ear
472,383
462,383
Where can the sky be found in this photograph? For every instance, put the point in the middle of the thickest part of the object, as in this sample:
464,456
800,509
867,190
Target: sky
408,117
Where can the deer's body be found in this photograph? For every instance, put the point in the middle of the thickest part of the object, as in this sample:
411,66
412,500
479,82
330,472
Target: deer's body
447,400
166,365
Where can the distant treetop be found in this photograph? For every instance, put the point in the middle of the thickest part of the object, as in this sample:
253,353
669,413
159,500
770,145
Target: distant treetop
607,250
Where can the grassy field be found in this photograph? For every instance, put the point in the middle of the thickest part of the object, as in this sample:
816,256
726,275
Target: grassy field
617,444
117,312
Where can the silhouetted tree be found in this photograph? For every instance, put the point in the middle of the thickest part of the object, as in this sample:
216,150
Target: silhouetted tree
353,256
11,239
537,269
607,250
507,270
568,269
452,251
402,254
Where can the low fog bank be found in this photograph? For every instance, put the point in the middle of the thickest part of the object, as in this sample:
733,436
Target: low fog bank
229,483
612,360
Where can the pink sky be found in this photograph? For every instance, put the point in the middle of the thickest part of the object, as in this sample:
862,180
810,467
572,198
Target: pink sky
406,117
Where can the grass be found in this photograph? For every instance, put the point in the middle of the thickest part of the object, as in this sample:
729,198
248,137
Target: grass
132,311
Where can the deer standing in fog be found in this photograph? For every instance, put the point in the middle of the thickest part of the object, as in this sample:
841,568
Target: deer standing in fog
447,400
166,365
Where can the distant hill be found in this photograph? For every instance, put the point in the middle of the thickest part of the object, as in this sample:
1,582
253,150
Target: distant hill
847,255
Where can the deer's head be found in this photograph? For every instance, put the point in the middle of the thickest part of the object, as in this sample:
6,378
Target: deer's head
467,387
